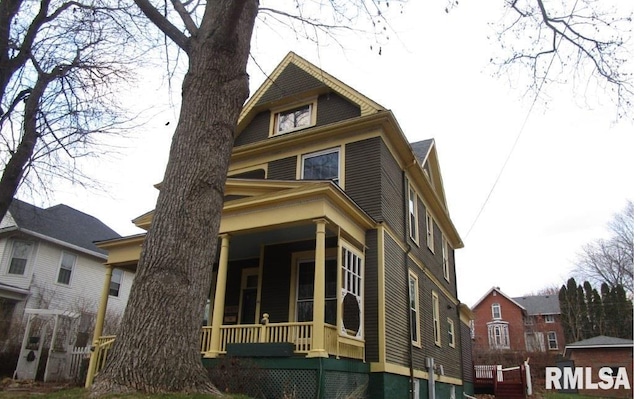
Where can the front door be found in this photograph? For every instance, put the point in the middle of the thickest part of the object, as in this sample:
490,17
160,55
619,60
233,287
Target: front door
249,296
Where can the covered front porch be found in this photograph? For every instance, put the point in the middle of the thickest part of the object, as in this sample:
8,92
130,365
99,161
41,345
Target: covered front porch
266,288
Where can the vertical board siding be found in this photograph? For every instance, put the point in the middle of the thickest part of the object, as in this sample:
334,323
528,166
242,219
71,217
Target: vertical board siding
283,169
362,179
371,299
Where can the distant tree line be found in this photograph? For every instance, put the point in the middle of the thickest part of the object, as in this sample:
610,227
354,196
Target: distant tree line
587,312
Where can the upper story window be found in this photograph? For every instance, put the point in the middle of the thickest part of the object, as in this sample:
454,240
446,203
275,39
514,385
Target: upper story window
285,120
67,263
495,311
499,336
435,301
552,339
116,281
322,165
445,258
19,257
413,214
430,239
528,321
548,318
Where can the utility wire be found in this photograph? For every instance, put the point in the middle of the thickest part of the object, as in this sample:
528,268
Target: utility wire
524,123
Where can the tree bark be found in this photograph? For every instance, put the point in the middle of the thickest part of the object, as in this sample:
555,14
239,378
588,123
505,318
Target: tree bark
157,347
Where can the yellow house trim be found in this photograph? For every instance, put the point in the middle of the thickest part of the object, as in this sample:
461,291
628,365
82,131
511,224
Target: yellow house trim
123,252
466,314
296,257
392,368
382,322
367,106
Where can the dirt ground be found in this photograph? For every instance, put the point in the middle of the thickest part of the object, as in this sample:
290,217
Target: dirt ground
10,385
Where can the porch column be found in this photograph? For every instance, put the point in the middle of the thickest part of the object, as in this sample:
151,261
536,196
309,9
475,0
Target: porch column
97,332
317,341
218,305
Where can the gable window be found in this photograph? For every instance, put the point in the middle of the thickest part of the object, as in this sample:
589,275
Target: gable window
292,119
304,300
498,336
436,318
413,214
19,257
116,281
352,312
445,258
451,333
67,263
322,165
495,311
413,303
548,318
552,340
430,240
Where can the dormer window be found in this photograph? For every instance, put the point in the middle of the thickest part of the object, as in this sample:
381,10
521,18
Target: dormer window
293,118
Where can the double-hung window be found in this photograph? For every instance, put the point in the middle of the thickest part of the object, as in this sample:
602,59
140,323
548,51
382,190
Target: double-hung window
451,333
19,257
499,335
413,303
435,300
445,258
552,339
413,214
548,318
495,311
322,165
304,300
430,240
116,281
67,263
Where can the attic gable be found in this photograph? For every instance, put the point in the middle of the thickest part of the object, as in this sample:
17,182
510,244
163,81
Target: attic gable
295,79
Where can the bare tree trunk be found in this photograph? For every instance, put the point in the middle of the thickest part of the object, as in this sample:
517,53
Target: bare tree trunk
157,347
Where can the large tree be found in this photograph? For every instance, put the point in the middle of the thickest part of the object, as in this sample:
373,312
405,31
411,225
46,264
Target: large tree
60,61
610,260
157,348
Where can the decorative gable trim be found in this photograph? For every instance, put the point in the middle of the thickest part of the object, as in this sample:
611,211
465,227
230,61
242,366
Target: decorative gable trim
253,106
497,290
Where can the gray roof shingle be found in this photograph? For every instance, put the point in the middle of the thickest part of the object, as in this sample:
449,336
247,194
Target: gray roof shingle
540,304
420,148
602,341
63,223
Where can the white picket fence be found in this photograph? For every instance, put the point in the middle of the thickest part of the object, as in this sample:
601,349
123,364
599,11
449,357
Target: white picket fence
75,360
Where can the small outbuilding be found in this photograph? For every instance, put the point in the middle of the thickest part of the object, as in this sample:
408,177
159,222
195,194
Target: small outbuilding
596,353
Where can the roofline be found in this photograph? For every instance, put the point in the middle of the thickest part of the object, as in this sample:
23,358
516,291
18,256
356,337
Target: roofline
501,293
16,290
601,346
56,241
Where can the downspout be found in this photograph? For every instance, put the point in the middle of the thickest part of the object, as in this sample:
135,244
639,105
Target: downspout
406,264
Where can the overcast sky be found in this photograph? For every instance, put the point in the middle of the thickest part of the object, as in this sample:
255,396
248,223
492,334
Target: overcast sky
569,172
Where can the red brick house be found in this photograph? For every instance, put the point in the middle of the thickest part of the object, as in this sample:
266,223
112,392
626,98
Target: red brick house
603,351
524,324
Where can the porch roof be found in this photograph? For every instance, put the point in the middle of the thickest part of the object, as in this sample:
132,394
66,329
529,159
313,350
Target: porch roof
260,205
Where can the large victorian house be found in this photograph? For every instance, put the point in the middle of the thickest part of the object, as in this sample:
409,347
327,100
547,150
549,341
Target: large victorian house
336,268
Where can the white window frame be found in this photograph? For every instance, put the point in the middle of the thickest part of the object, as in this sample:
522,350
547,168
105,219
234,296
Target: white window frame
435,300
548,318
116,281
445,258
412,203
352,283
430,232
414,304
451,333
304,157
553,340
274,128
498,336
528,320
29,251
69,268
495,306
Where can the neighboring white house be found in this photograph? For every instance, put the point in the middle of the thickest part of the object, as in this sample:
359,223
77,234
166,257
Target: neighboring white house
48,260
